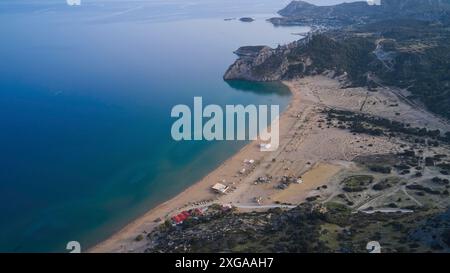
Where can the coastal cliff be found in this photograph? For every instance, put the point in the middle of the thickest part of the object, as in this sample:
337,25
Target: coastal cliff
316,54
260,63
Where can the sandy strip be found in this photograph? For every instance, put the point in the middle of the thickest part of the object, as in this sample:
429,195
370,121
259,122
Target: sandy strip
229,171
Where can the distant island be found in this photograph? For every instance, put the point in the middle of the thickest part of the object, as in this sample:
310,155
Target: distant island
246,19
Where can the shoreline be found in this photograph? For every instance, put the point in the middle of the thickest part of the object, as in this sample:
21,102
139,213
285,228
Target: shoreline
197,192
307,151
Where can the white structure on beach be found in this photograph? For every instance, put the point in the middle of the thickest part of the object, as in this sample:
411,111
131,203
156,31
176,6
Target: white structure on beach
219,188
265,146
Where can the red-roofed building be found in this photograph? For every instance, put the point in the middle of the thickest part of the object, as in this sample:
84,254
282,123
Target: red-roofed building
179,218
182,217
176,219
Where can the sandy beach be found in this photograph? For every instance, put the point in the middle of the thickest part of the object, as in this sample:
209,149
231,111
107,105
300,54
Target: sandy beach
228,173
308,149
195,194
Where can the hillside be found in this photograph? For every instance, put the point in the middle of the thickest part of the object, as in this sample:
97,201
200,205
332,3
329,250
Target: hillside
301,12
406,53
306,229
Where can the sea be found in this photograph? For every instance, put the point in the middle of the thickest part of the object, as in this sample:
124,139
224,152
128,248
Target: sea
86,93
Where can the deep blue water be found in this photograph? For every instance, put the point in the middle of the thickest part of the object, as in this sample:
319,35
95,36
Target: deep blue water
85,100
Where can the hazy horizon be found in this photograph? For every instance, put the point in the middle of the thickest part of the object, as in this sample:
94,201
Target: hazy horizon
330,2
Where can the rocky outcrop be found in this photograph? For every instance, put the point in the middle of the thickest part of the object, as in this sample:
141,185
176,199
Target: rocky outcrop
315,54
262,63
256,64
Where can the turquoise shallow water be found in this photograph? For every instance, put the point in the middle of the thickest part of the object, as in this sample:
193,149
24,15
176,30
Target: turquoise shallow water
85,101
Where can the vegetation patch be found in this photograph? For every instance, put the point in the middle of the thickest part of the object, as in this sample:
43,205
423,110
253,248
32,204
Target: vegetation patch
385,183
421,188
356,183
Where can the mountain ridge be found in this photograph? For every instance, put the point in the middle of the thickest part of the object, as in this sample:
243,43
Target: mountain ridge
356,12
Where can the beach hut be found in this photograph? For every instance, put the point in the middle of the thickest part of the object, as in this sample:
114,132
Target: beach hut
219,188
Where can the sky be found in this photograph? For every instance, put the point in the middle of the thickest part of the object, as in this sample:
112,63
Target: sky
316,2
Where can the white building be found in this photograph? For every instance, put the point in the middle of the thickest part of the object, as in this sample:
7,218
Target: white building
220,188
